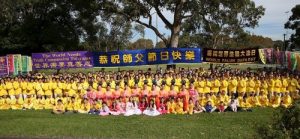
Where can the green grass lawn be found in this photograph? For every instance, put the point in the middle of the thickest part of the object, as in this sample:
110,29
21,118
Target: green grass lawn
44,124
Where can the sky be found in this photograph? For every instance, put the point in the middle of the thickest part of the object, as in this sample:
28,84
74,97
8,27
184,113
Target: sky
270,25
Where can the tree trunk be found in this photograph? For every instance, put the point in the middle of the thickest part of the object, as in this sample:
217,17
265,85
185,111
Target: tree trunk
175,37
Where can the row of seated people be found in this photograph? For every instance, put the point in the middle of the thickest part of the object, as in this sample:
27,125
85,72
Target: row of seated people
190,100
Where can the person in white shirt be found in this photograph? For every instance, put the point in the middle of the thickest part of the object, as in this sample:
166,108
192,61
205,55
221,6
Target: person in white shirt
132,108
151,109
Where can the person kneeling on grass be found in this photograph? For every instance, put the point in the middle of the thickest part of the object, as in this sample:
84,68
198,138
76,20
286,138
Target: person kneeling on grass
59,108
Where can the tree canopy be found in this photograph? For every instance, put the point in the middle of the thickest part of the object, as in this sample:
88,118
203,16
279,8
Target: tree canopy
29,26
294,24
214,17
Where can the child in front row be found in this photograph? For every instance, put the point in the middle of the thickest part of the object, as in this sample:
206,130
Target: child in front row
197,107
209,107
59,108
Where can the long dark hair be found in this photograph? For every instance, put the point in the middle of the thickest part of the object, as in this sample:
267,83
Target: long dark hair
133,101
153,104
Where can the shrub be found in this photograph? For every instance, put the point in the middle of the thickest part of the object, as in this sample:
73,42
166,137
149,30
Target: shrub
285,124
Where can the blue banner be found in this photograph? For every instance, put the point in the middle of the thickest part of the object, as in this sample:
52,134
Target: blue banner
147,57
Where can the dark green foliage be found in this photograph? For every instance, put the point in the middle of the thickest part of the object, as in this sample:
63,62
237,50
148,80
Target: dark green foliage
285,124
294,24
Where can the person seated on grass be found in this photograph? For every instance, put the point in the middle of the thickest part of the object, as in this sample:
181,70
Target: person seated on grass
95,107
104,111
245,105
49,102
85,106
151,109
5,102
132,108
116,108
162,106
143,104
221,107
209,108
73,105
191,106
59,108
198,107
275,100
253,99
286,100
29,102
263,99
233,105
179,106
171,105
17,103
39,103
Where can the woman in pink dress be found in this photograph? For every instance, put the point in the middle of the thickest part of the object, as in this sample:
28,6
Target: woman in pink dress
91,95
162,107
143,104
99,93
193,94
116,108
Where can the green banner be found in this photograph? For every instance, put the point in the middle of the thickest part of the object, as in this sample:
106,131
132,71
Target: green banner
29,67
16,64
24,63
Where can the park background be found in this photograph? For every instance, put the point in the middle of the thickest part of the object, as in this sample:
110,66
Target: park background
31,26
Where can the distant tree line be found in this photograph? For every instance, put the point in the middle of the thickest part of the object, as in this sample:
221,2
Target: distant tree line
28,26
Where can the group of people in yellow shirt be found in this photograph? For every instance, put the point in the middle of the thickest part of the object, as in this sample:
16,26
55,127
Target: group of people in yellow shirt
179,92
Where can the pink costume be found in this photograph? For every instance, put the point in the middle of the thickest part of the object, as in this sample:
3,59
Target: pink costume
117,110
144,93
91,95
172,93
142,106
162,108
126,93
163,93
99,95
108,97
193,94
135,93
117,94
